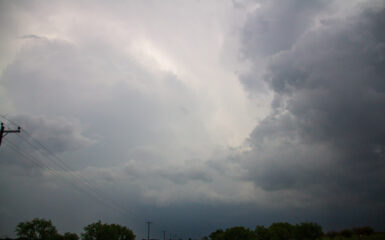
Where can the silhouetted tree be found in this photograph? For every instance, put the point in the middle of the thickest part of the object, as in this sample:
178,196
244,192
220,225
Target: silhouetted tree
347,233
281,231
262,233
70,236
331,234
99,231
363,231
217,235
238,233
37,229
308,231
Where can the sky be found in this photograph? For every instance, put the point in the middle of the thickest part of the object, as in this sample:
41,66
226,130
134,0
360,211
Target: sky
194,115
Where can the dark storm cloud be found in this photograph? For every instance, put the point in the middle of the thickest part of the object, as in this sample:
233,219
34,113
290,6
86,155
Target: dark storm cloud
272,28
276,27
124,94
325,137
176,176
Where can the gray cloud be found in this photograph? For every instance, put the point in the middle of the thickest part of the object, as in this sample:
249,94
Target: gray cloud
141,100
32,36
94,101
325,136
59,135
38,147
276,27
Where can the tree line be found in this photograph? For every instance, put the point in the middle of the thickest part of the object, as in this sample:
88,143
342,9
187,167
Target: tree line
287,231
42,229
276,231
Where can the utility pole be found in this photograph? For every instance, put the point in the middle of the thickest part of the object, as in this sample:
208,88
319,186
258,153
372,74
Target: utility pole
4,132
148,230
164,235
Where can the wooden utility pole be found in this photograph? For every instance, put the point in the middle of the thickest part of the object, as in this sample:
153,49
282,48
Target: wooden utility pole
148,230
4,132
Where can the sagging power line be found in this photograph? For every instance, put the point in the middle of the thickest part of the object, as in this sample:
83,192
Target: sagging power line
75,179
61,169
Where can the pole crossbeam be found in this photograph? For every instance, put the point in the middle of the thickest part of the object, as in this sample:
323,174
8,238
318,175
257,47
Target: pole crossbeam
4,132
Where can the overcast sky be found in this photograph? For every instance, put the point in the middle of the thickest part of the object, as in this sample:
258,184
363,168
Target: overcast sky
195,115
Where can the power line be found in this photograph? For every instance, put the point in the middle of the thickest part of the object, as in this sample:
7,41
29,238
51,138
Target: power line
65,167
54,172
76,181
79,182
58,162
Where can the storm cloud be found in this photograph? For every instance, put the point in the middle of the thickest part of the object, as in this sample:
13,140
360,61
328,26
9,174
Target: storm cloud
324,139
194,115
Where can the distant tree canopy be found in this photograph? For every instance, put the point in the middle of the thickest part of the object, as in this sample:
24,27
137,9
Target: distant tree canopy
281,231
217,235
238,233
234,233
347,233
68,236
363,231
261,232
100,231
308,231
37,229
41,229
276,231
331,234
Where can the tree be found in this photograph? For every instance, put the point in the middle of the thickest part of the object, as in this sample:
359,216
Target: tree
331,234
347,233
100,231
281,231
37,229
70,236
262,233
217,235
366,231
239,233
234,233
308,231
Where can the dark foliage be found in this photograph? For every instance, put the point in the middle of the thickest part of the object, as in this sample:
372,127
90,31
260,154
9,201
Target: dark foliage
262,233
100,231
363,231
68,236
217,235
277,231
37,229
347,233
331,234
308,231
281,231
